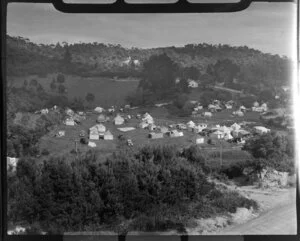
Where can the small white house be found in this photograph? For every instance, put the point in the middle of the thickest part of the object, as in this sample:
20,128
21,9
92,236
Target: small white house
12,161
192,84
70,122
93,133
119,120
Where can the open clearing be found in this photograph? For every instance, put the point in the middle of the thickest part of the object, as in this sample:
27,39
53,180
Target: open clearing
107,92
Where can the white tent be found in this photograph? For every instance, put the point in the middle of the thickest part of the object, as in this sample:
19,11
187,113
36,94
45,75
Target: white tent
228,136
190,124
207,114
92,144
261,129
119,120
99,109
147,118
235,126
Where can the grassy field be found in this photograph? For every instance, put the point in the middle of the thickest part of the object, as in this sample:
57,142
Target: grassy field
64,145
107,91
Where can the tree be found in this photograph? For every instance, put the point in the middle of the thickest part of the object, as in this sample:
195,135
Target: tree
61,89
247,101
90,98
159,75
191,73
60,78
77,104
53,85
180,100
224,71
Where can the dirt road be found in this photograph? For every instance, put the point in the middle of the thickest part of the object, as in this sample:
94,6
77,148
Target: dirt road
278,217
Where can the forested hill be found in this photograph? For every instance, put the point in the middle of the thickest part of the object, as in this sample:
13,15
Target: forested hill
96,59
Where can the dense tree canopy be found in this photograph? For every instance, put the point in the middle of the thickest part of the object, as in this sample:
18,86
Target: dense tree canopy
159,75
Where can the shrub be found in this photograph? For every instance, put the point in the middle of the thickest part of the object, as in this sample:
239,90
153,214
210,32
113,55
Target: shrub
231,200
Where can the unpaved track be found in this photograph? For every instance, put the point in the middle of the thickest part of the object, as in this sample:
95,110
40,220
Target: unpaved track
279,219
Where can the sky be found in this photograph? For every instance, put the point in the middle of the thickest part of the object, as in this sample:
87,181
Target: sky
269,27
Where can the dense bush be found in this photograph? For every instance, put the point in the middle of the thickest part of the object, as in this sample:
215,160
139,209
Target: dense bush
276,151
156,188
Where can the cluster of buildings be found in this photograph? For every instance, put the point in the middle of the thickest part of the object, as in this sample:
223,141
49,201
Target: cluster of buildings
217,106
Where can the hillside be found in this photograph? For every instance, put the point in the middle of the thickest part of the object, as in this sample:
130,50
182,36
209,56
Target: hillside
98,59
